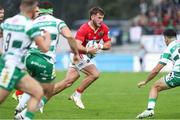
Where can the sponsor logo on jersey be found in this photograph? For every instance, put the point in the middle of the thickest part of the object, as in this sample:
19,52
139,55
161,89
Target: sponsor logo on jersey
39,65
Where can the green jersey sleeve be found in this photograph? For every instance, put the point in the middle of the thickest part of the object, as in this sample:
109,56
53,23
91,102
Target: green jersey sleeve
61,24
34,32
165,56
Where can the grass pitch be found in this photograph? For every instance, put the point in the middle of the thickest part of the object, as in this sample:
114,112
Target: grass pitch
113,96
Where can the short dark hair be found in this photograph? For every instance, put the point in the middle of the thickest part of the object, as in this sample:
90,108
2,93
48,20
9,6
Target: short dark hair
95,10
29,2
45,4
170,33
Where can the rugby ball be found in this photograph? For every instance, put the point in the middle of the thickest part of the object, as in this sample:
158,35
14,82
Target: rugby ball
91,44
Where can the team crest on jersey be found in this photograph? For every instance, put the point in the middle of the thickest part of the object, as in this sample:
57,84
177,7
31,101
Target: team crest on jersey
101,33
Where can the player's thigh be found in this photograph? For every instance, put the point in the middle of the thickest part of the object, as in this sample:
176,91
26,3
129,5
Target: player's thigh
10,76
29,85
47,88
91,70
161,84
72,74
40,68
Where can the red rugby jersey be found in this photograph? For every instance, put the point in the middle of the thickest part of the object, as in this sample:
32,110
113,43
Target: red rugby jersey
86,33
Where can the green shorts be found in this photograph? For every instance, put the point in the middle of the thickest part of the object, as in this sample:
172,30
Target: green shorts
40,67
10,75
172,79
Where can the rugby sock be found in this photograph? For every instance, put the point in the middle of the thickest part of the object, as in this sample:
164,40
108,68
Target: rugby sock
22,102
151,103
29,115
42,102
78,92
19,92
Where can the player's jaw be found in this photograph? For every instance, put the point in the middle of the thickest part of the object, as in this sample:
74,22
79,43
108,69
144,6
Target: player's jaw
97,20
96,24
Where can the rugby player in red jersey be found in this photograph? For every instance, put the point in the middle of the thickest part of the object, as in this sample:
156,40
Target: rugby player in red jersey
93,30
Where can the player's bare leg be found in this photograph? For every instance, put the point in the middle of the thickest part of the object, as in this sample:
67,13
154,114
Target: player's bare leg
50,90
71,76
3,95
33,88
47,88
158,86
91,75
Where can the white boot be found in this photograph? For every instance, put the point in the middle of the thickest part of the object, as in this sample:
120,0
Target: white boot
77,101
145,114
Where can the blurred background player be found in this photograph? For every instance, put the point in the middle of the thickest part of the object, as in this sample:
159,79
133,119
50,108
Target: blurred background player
41,66
171,53
18,34
18,93
93,30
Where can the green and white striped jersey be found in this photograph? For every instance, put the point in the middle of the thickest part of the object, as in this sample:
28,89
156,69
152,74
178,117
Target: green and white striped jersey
18,34
53,26
172,53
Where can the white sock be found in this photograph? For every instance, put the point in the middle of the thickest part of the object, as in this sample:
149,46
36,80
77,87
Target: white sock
23,101
151,103
78,94
41,104
24,112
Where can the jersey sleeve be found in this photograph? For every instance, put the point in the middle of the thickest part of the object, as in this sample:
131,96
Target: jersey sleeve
33,31
61,24
81,33
106,34
165,56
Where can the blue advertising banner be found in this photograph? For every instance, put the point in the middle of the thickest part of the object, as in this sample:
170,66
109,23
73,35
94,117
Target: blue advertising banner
104,62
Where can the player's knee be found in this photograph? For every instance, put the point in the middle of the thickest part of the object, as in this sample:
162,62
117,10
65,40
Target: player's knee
157,87
38,93
96,75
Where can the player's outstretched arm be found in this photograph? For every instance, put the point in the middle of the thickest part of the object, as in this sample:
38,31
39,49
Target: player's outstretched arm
66,32
151,75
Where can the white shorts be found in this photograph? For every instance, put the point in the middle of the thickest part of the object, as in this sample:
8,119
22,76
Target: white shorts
84,61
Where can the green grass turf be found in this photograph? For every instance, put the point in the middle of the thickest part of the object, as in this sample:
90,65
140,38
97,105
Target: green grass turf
112,96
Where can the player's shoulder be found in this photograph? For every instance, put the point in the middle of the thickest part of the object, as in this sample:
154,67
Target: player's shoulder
59,20
104,26
18,19
12,18
84,25
175,42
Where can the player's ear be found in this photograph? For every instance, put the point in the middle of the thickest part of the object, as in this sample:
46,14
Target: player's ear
92,17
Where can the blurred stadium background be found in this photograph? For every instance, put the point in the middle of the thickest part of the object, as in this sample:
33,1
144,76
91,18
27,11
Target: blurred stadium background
135,27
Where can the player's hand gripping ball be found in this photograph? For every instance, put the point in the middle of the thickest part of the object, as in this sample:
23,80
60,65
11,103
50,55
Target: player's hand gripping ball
91,44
